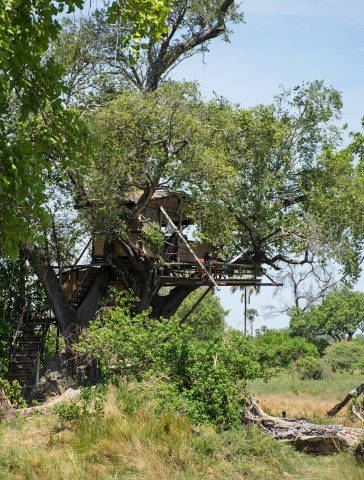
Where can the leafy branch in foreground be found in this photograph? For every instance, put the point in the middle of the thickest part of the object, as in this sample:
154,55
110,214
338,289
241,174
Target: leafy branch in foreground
37,134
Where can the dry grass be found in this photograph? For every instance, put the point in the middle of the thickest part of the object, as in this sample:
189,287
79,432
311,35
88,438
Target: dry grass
132,443
303,405
309,399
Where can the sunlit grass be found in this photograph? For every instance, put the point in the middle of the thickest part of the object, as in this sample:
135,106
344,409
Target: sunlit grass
306,398
134,443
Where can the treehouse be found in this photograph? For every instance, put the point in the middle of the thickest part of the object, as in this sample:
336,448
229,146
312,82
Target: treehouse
156,251
158,233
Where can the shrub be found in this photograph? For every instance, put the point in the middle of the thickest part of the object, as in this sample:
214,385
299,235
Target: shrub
13,391
202,377
279,349
309,368
345,356
90,403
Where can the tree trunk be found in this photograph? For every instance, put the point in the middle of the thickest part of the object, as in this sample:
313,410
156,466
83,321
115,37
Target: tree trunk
5,405
63,312
352,394
167,305
308,437
88,308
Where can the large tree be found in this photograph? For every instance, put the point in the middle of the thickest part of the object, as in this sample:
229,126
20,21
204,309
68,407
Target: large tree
190,27
261,183
338,317
270,183
38,135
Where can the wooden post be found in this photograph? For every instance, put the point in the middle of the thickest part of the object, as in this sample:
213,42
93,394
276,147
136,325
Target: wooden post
57,339
37,365
189,247
208,290
245,310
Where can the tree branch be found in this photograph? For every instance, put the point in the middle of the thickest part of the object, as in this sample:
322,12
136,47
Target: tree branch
167,57
64,313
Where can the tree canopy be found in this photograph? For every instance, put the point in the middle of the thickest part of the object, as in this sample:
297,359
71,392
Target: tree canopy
266,182
38,136
339,316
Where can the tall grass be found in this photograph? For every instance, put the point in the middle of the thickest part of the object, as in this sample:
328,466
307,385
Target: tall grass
310,399
131,442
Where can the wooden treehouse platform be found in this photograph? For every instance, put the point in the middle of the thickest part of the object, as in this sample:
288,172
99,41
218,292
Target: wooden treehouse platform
180,261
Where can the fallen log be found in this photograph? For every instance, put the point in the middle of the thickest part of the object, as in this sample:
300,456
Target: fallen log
68,396
352,394
305,436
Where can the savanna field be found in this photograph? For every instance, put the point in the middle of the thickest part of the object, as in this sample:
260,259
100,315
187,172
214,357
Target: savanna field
131,442
181,240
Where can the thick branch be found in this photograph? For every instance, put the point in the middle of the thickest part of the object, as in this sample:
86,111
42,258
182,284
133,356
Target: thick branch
167,57
64,314
143,201
167,305
87,310
352,394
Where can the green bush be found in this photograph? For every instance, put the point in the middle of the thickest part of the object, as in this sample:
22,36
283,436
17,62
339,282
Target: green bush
203,377
13,391
309,368
345,356
90,404
280,349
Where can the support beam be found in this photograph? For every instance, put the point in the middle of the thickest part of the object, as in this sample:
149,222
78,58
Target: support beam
201,265
191,310
200,282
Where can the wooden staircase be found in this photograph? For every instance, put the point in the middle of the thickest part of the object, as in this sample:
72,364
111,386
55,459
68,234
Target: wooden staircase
83,284
27,349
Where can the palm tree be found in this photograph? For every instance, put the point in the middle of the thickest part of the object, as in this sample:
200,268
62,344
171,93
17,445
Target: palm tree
245,297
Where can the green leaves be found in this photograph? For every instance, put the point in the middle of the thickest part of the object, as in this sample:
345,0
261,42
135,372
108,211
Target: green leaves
139,19
38,136
204,376
280,349
339,316
35,131
270,181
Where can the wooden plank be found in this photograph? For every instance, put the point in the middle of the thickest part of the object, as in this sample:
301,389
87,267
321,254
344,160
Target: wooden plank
166,280
191,310
189,247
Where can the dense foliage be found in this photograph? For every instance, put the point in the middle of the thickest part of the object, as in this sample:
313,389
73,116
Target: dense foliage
309,368
338,317
13,392
280,349
345,356
207,320
267,176
204,377
39,138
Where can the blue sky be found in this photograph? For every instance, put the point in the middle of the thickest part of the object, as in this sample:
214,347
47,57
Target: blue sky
285,42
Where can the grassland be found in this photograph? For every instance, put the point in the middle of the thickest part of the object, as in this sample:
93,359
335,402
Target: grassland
132,443
309,399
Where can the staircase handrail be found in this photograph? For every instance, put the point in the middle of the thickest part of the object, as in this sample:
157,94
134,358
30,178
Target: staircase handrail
21,321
